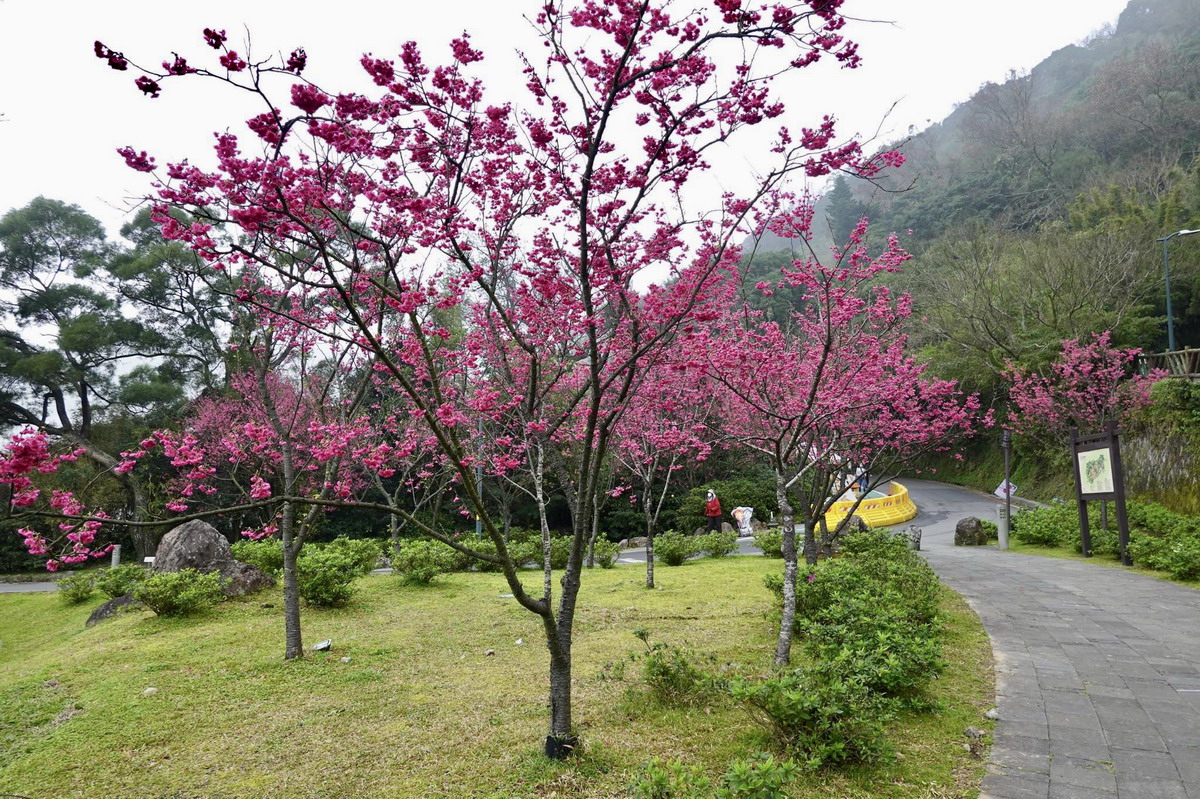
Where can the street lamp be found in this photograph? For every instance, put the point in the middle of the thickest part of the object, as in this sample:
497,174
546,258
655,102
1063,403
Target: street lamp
1167,279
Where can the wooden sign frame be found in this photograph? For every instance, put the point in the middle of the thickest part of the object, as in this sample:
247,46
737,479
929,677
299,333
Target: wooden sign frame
1099,474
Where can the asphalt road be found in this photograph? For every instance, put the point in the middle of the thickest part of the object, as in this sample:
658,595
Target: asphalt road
939,506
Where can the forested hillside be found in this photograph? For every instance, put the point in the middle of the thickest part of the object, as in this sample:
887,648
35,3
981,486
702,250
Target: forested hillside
1033,209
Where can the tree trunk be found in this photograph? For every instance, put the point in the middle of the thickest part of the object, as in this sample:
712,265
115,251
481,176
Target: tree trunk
560,743
649,551
293,644
783,648
810,541
145,539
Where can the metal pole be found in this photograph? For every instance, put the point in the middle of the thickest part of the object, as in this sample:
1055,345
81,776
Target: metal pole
1006,443
1167,281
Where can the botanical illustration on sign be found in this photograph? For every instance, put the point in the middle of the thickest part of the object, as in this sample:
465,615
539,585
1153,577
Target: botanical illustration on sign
1095,472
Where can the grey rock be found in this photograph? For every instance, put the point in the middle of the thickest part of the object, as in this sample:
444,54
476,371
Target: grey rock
635,542
969,532
198,545
490,652
346,660
993,715
150,692
323,646
974,733
110,609
855,524
913,534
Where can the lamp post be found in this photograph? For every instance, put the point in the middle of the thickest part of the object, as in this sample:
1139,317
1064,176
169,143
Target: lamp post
1167,280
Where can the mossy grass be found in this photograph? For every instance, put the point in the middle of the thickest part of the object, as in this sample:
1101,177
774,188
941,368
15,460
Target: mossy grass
421,710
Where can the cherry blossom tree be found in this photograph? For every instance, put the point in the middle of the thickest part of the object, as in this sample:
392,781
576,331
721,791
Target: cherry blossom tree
1088,385
373,213
830,392
666,424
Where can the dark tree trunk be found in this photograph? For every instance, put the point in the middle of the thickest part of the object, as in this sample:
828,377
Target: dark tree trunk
649,551
783,647
293,643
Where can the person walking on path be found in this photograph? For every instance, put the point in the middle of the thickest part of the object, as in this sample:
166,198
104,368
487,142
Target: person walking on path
712,511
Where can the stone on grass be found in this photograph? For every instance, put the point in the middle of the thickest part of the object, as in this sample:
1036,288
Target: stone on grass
346,660
198,545
150,692
323,646
969,532
993,715
973,733
110,609
490,652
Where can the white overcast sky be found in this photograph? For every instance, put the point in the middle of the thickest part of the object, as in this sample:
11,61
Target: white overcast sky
65,113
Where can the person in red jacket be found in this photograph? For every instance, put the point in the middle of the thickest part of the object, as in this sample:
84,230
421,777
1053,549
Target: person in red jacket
712,511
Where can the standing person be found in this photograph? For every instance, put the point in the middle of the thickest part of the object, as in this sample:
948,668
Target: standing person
712,510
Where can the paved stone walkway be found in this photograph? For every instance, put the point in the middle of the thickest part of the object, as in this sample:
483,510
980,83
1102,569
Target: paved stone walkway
1097,670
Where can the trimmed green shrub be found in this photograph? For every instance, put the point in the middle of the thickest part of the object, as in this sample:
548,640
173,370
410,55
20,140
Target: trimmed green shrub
324,575
121,580
717,545
266,554
1164,540
885,652
525,552
673,549
560,551
821,716
180,593
362,553
770,541
606,553
419,561
76,588
990,529
1051,526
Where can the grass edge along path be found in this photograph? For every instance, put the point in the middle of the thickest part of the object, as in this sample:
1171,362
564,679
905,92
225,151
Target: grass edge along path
421,709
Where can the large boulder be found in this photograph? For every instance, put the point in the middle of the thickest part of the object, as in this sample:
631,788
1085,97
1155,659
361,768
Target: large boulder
969,532
198,545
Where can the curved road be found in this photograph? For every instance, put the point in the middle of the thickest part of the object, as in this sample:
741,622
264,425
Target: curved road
1097,669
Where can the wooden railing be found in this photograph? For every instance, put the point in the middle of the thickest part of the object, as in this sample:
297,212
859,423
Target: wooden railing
1180,363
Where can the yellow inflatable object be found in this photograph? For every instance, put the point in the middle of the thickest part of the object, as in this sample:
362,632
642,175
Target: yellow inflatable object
895,508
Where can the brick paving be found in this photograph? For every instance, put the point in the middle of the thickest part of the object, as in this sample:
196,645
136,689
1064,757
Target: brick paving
1097,669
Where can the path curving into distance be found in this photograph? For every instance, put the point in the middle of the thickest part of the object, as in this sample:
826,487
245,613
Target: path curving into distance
1097,669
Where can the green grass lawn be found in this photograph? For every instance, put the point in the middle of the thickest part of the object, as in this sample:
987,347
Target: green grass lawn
420,710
